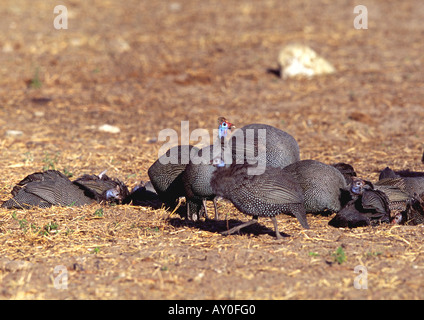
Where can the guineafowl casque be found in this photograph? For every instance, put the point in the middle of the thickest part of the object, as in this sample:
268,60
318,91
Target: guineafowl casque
323,185
166,177
367,207
264,144
49,188
197,176
266,195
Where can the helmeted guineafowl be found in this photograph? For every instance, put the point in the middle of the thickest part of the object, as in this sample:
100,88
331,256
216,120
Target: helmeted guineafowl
197,182
266,195
104,188
367,207
166,173
53,188
198,173
264,144
322,185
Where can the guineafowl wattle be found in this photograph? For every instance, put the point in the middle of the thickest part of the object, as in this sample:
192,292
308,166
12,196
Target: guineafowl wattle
46,189
166,173
198,173
367,207
266,195
323,185
264,144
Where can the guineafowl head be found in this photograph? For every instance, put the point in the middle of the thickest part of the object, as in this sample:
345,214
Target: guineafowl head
224,127
399,218
357,186
118,194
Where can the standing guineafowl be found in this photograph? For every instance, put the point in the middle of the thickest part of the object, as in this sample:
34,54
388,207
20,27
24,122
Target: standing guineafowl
323,185
166,174
53,188
197,183
198,173
264,144
266,195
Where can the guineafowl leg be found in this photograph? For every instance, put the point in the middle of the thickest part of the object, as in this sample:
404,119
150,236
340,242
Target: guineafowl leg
205,210
215,200
241,226
191,216
277,233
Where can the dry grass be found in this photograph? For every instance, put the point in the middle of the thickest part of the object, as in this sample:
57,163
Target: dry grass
203,61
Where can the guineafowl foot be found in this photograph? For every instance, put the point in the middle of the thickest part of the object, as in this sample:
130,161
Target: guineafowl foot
278,235
239,227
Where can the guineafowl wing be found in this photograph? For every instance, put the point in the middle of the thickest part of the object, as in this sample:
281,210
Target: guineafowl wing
49,175
376,200
46,190
276,192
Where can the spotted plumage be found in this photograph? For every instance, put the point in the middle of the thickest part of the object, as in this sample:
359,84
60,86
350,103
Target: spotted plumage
266,195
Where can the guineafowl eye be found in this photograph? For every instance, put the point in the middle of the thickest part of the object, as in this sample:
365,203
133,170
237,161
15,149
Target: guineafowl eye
223,128
397,219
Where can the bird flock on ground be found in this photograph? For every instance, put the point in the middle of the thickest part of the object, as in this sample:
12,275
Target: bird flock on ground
286,184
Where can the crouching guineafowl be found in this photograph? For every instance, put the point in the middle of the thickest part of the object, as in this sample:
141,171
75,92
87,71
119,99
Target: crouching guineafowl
266,195
53,188
367,207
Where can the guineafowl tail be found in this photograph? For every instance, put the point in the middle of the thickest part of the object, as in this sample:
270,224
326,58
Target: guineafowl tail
300,214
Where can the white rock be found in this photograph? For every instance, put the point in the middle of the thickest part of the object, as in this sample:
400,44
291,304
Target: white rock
299,60
14,133
109,128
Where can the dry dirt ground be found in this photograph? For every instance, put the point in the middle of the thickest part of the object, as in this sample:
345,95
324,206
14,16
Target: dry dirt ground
144,66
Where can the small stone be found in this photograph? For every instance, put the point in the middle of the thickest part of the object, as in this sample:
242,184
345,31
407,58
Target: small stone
109,128
297,60
14,133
